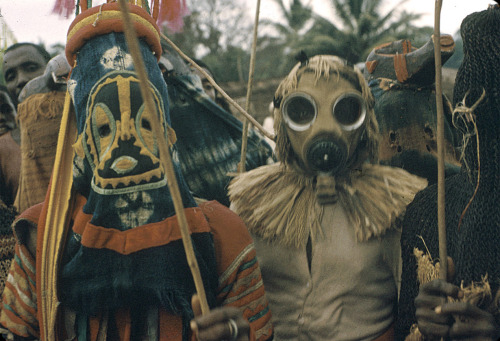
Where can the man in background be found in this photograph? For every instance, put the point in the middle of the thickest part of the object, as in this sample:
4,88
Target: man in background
10,153
10,163
21,63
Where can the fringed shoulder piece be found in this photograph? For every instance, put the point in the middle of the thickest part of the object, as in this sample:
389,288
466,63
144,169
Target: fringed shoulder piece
375,196
277,204
280,205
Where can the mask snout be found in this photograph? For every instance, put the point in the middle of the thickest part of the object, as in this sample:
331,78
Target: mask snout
326,155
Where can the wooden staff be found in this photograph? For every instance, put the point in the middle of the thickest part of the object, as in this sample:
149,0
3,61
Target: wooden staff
244,135
443,253
133,45
59,206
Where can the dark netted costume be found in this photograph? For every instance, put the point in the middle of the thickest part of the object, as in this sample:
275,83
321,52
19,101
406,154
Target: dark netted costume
474,244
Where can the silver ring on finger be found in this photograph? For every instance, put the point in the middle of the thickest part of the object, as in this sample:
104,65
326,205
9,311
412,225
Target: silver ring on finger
233,329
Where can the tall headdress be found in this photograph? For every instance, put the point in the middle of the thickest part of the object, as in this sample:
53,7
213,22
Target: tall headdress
122,250
168,12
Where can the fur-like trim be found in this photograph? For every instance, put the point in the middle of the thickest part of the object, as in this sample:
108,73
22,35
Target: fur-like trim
280,205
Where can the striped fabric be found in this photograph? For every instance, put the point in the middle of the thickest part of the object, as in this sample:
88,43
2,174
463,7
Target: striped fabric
19,309
240,280
241,286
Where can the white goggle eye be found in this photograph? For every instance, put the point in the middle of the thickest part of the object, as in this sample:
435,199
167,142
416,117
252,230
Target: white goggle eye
350,111
299,111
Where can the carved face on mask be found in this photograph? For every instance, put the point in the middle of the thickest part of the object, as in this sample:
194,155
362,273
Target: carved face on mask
118,138
116,165
327,118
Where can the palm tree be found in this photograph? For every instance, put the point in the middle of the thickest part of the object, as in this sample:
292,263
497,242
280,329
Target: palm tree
361,27
289,35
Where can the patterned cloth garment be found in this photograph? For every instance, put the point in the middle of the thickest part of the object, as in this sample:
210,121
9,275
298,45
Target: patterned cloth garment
122,273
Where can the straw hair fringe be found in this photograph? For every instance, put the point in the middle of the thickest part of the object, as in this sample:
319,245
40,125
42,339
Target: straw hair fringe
277,204
323,66
375,196
280,205
427,269
48,105
466,115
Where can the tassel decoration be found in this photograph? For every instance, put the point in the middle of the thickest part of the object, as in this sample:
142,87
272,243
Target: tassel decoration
64,7
165,12
171,13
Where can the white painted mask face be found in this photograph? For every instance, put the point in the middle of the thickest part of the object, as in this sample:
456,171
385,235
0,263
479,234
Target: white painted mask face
325,119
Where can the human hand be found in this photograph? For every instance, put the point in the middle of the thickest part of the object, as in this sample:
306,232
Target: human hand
432,323
455,320
225,323
470,322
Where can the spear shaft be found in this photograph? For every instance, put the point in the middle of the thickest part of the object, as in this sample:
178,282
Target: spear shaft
443,253
133,45
244,135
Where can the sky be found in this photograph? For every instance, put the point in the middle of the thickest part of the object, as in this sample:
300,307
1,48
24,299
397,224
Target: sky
32,20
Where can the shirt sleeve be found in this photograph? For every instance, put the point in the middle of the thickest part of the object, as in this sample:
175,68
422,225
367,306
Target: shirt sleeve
19,307
240,279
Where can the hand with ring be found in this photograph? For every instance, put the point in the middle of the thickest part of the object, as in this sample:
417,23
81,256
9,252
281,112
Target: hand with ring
224,323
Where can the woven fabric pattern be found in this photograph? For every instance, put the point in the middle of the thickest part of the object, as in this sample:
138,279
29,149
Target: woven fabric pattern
40,117
208,138
239,278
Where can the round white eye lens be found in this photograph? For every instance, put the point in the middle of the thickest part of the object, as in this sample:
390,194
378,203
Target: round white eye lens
299,111
350,111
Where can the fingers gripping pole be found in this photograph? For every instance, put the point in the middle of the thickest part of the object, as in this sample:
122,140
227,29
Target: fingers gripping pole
165,157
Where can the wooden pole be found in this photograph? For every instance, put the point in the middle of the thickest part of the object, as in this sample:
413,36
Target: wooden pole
443,253
165,157
244,135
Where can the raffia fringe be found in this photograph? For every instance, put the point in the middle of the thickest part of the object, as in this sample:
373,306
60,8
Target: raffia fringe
280,205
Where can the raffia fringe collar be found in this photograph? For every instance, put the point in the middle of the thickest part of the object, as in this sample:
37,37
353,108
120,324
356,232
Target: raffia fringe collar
280,205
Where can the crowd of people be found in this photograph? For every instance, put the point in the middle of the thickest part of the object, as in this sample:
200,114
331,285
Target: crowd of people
321,243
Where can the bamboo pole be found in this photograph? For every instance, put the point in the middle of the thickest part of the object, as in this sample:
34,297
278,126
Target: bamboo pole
219,89
244,135
165,157
443,253
56,225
